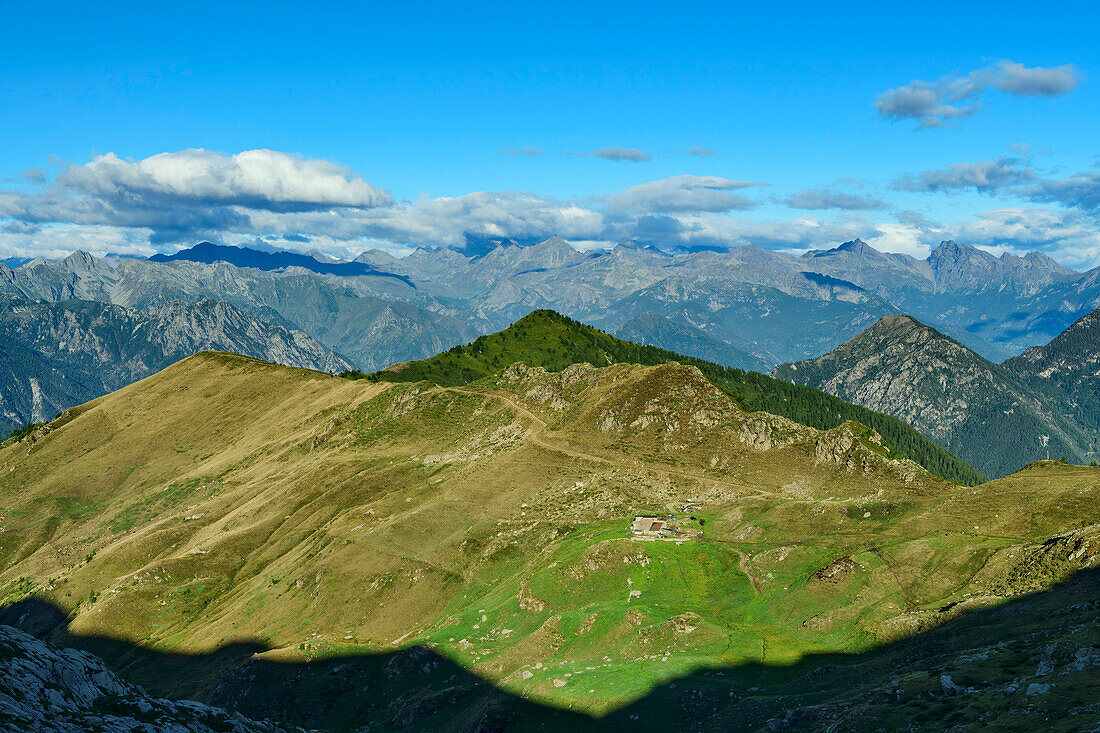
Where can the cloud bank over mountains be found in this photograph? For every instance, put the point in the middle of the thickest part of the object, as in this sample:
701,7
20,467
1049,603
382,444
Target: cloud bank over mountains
174,199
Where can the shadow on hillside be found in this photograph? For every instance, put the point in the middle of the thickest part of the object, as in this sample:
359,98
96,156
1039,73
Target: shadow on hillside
415,688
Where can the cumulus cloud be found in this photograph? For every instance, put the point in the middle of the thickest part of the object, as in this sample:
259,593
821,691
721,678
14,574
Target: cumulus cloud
444,220
1014,78
1072,237
528,150
634,155
940,103
192,192
255,179
681,193
823,198
718,231
985,176
18,239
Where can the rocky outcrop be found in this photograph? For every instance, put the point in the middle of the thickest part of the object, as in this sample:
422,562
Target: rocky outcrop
1038,566
51,690
836,572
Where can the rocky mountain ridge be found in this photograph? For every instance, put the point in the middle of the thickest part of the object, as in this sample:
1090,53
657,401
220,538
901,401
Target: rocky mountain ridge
998,417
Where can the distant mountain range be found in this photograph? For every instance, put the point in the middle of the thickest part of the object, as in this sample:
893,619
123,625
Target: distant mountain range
757,306
653,328
363,317
1042,404
244,257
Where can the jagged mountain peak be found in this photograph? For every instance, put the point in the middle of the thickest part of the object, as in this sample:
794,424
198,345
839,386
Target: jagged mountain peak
885,273
549,253
957,266
952,251
857,245
79,260
949,247
324,257
1042,261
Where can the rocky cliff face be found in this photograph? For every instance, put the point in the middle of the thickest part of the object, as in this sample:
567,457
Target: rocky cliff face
53,690
55,355
984,412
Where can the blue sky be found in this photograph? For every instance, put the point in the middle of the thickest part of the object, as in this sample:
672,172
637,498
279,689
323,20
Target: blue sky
391,125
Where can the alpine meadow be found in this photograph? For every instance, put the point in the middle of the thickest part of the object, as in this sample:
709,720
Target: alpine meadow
586,368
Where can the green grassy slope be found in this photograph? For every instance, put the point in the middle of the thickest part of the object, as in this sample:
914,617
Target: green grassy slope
225,500
553,341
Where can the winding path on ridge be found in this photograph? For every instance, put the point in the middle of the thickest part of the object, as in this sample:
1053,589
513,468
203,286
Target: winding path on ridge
536,438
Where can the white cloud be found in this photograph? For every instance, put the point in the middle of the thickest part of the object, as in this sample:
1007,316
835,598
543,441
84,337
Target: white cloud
111,205
1069,237
192,193
940,103
55,242
900,238
256,179
444,221
35,176
1081,191
700,152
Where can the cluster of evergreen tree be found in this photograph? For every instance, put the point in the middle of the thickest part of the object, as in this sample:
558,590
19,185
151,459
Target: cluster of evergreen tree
20,433
553,341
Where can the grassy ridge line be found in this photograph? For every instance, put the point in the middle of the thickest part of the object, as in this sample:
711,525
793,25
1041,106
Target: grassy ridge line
553,341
